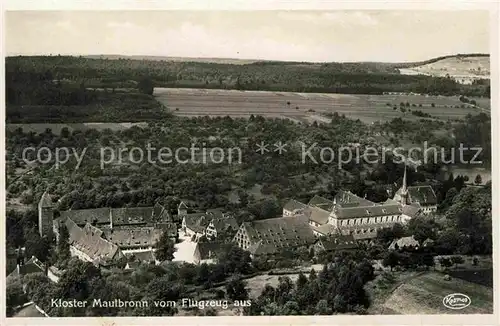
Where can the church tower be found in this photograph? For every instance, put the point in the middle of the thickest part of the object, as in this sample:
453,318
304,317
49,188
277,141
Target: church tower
45,215
404,190
402,195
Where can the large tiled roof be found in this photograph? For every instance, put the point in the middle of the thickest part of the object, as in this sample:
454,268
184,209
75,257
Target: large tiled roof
348,199
293,205
411,210
84,216
225,223
215,213
119,216
198,222
368,211
317,214
133,237
132,215
209,250
423,195
321,202
325,229
271,235
88,240
147,256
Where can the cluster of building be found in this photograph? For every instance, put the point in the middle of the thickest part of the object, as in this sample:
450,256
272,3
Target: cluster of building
346,217
103,235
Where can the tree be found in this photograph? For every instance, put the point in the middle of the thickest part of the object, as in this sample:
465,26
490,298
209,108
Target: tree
445,262
236,290
165,248
457,260
391,259
478,180
312,275
161,289
322,308
14,295
145,85
301,282
233,260
422,229
63,251
36,245
428,260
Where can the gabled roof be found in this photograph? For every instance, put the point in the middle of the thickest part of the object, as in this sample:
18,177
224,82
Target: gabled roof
348,199
209,250
182,205
225,223
133,237
147,256
197,222
404,242
368,211
321,202
119,216
411,210
132,215
325,229
272,235
45,200
215,213
158,209
89,241
424,195
317,215
293,205
84,216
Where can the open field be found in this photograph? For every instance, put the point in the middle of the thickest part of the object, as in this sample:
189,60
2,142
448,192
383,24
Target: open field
454,66
424,295
303,106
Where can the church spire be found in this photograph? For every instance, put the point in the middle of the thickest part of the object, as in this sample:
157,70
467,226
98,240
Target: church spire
404,190
404,180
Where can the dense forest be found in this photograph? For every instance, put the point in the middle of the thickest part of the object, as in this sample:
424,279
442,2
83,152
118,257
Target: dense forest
37,97
354,78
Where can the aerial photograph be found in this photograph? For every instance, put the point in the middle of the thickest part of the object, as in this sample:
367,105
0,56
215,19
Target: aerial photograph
247,163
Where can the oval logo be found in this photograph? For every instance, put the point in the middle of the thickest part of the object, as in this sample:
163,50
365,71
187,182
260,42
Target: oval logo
456,301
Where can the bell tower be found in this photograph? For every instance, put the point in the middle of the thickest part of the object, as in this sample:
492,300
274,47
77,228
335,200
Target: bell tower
45,215
404,190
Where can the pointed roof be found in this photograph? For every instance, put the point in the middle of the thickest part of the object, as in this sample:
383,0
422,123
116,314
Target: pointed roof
45,200
404,188
182,205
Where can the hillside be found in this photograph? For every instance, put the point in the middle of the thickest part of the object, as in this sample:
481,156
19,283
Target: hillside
463,68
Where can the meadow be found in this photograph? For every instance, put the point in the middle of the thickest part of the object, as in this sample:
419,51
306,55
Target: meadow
424,295
300,106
